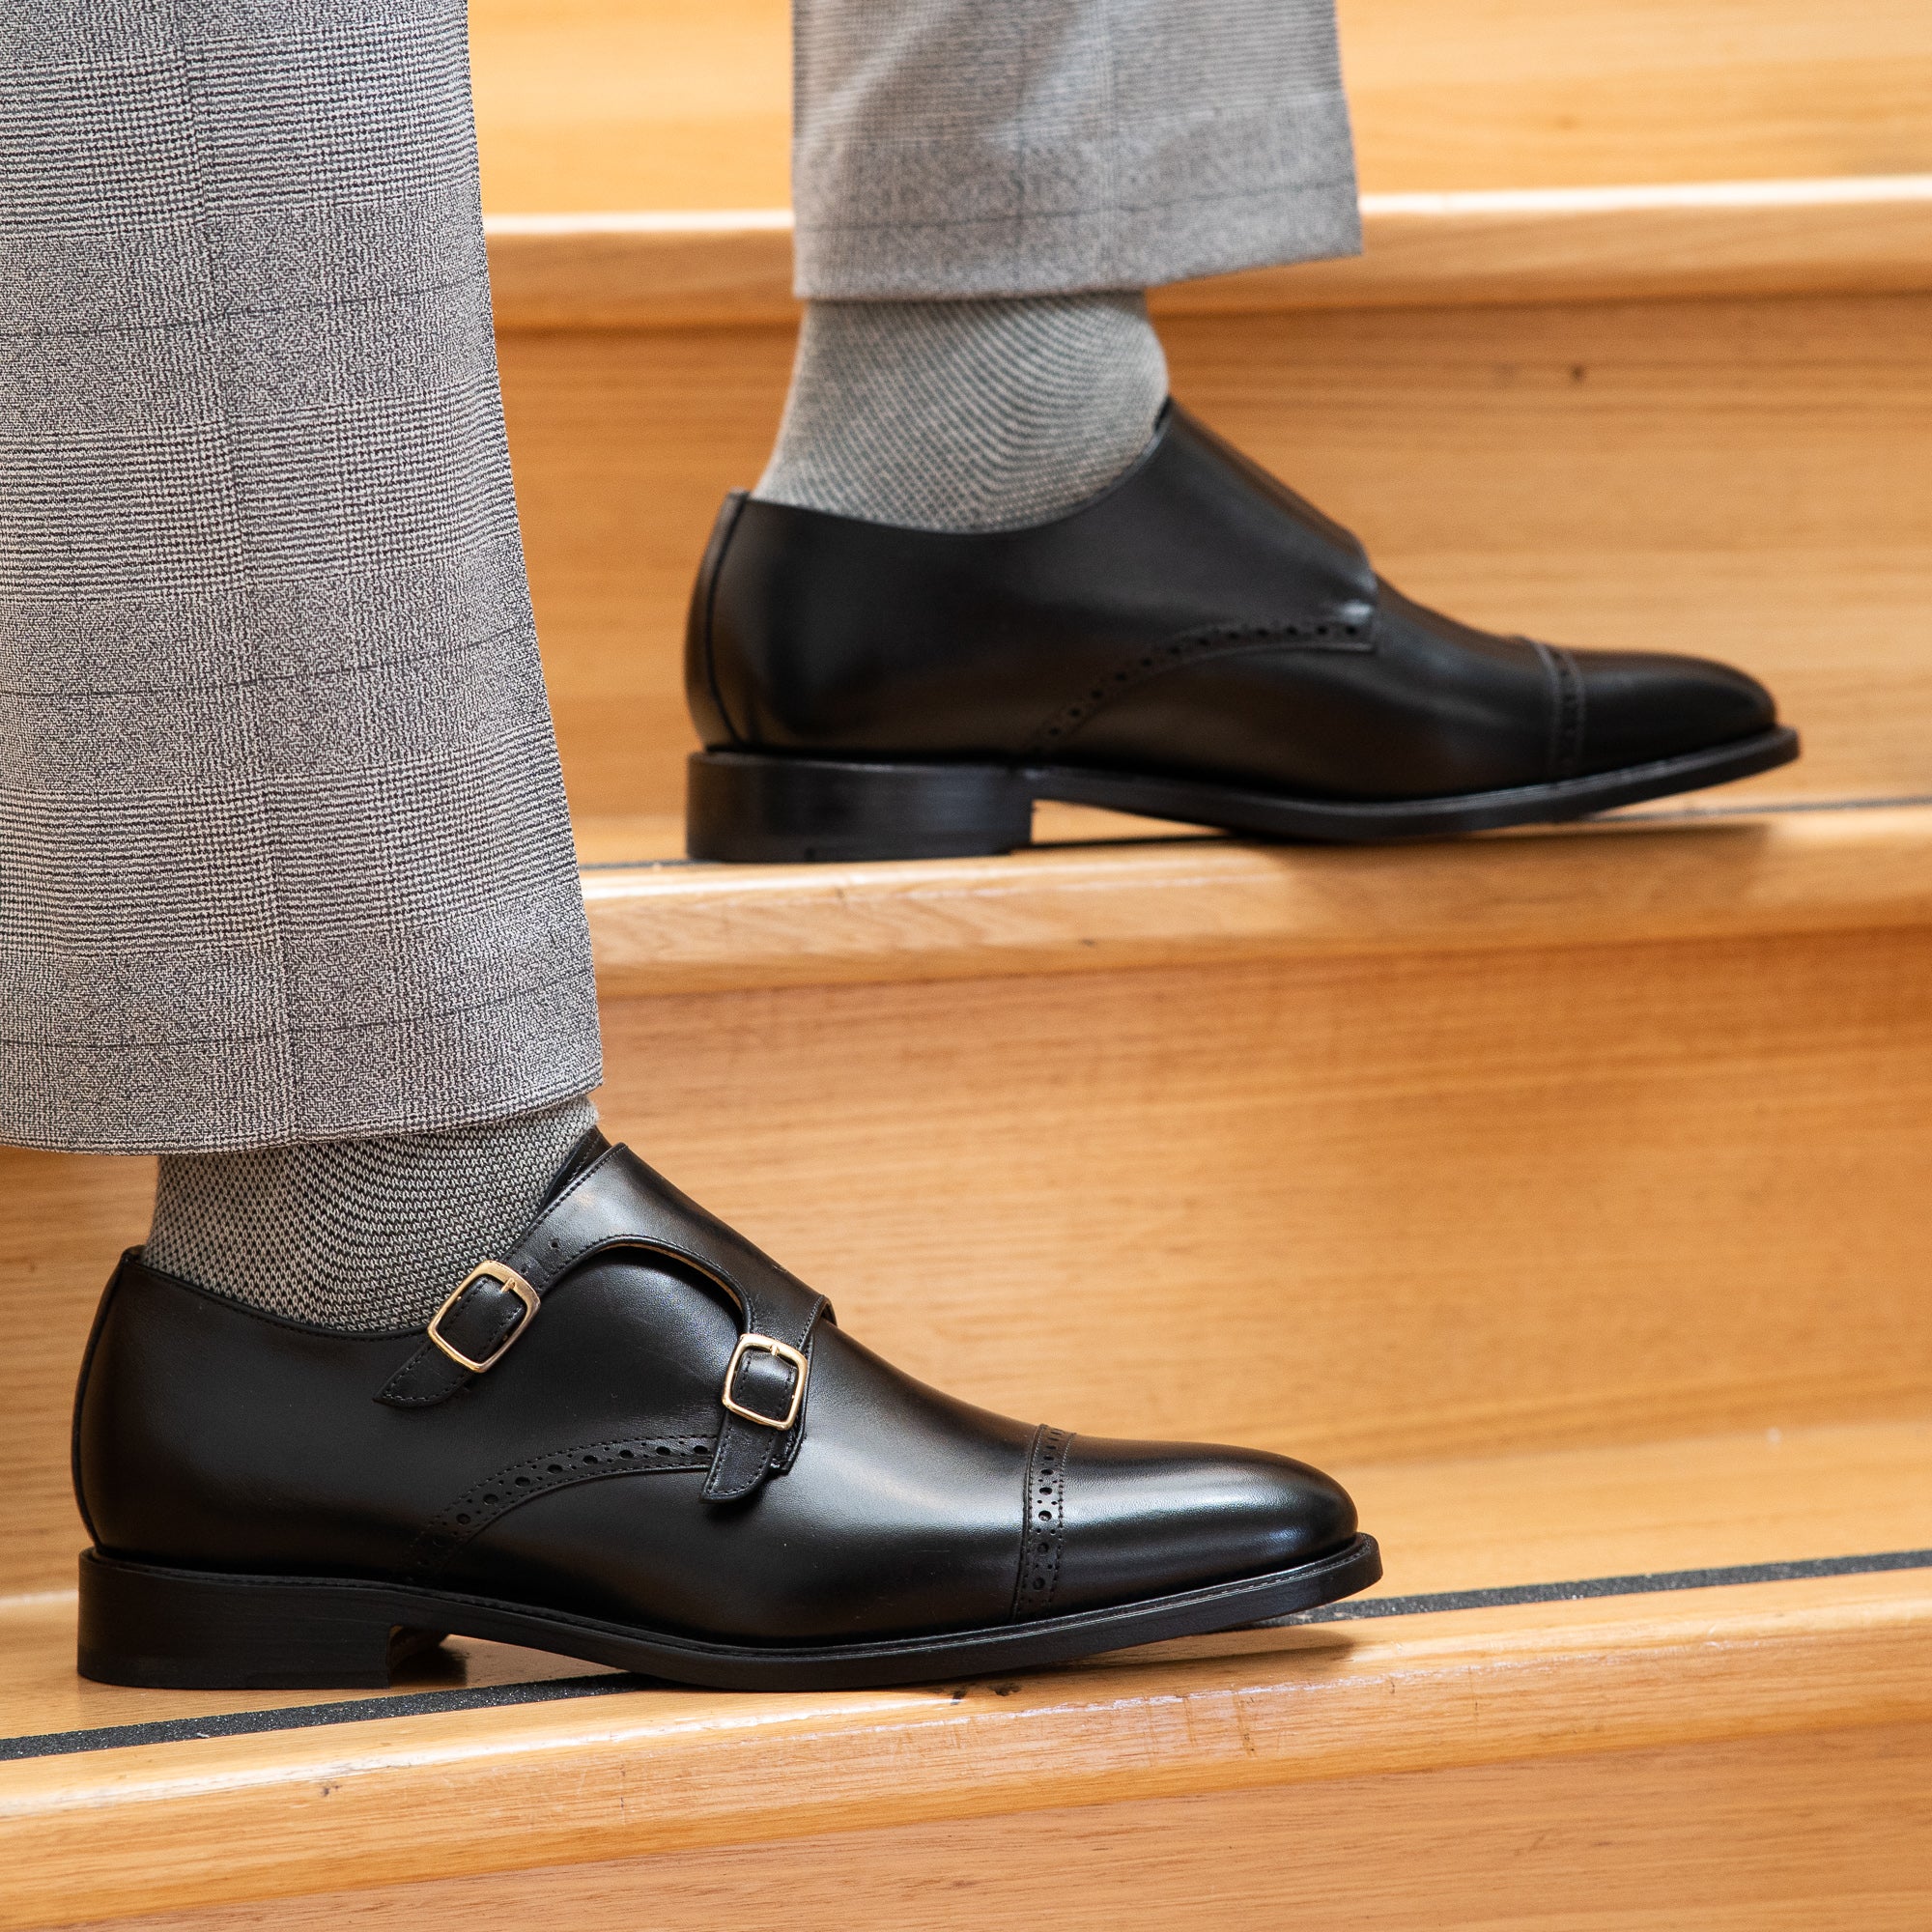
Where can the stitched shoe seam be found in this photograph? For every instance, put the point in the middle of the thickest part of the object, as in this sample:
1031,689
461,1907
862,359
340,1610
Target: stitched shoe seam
507,1321
1043,1526
487,1501
1567,709
1192,647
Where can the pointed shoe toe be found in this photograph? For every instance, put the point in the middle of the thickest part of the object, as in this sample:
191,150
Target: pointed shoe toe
631,1438
1640,707
1175,1516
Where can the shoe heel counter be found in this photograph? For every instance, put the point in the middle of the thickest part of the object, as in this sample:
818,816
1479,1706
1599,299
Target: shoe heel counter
85,1430
131,1481
703,690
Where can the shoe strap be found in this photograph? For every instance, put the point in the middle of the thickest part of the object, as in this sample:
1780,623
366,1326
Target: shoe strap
615,1201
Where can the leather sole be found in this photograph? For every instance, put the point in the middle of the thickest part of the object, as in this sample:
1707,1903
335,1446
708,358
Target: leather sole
755,809
205,1630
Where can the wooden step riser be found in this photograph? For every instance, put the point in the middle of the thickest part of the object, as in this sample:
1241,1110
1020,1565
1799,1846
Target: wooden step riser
1386,1207
1825,1832
1369,1207
1507,93
1742,478
685,103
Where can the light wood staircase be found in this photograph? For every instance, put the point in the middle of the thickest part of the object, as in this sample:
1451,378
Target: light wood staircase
1566,1192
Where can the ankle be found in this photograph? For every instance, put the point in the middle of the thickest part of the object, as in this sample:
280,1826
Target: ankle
365,1234
966,416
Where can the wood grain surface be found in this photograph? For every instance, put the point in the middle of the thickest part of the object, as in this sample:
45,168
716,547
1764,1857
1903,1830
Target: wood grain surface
660,1771
1744,479
1491,1174
643,1773
632,103
685,103
660,927
1819,1832
1515,93
651,269
1388,1205
1367,1207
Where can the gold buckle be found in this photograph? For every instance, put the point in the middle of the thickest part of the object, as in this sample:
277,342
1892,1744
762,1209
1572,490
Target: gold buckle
786,1352
504,1276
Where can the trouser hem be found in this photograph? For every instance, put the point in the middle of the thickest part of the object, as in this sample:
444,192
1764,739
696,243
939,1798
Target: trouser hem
1264,193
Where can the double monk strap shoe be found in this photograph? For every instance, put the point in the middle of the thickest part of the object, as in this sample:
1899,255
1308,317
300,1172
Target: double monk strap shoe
633,1439
1195,644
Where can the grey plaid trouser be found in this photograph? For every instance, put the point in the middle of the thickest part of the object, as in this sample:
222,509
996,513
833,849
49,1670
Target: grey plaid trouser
1035,147
283,850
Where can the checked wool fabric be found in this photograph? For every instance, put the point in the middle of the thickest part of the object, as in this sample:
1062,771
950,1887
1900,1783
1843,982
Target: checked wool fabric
283,851
283,848
960,147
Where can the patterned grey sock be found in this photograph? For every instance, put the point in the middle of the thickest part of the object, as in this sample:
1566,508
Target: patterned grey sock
966,416
359,1234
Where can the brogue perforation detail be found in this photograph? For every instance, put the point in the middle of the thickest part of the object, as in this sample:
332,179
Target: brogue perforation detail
482,1503
1193,648
1567,709
1043,1532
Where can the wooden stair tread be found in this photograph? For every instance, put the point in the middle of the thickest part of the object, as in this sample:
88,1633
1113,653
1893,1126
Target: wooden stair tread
134,1827
646,268
668,927
681,104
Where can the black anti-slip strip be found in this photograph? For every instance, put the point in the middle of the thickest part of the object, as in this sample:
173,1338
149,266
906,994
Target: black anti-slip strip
1641,1585
304,1716
552,1689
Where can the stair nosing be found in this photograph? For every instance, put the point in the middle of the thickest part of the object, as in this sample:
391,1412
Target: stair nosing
383,1709
136,1830
678,928
673,268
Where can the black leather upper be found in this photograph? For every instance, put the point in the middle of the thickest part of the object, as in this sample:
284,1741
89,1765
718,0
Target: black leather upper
613,1201
580,1472
1197,619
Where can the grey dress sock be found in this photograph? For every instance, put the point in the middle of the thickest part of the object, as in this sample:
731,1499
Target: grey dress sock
359,1234
966,416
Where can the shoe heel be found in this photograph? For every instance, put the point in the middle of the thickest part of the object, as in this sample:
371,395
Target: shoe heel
182,1629
746,809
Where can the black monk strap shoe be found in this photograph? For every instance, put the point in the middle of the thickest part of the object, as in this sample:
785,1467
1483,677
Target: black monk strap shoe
1195,644
633,1439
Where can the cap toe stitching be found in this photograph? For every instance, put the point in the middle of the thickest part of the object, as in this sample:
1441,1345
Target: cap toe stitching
1567,708
1042,1531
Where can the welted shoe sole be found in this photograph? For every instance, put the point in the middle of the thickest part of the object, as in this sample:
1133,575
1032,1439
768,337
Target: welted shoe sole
752,807
169,1629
